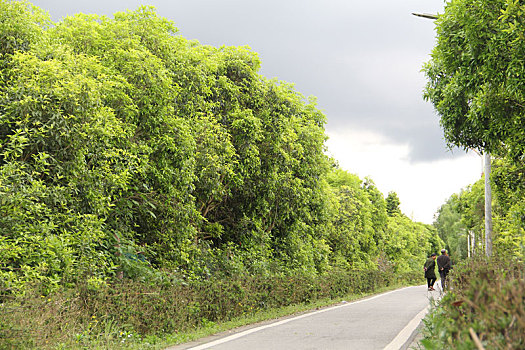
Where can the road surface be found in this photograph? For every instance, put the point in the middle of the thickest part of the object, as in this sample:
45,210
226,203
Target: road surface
385,321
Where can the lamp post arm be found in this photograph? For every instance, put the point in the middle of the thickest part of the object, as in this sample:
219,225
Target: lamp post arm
425,15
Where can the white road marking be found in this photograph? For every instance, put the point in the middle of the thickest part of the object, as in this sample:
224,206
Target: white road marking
406,332
253,330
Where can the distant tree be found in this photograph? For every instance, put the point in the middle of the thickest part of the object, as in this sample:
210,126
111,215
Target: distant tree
464,213
408,243
379,214
471,205
451,228
508,177
392,204
352,240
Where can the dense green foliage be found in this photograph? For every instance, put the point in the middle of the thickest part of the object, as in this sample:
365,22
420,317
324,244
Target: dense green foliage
464,213
508,179
486,303
127,151
476,84
476,75
137,167
121,139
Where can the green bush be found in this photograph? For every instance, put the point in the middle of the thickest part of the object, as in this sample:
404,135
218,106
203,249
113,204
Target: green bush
87,314
488,299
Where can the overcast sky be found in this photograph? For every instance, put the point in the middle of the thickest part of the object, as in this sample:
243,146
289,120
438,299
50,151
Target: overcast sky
363,61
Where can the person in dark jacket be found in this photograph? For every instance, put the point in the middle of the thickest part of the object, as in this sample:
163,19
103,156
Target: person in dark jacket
443,263
430,272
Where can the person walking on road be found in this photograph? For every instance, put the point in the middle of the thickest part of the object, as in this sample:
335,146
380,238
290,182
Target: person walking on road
430,272
443,263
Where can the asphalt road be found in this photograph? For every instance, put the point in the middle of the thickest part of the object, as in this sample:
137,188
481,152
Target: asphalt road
385,321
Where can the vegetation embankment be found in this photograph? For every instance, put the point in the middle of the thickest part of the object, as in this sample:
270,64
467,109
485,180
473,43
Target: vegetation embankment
477,87
134,314
135,163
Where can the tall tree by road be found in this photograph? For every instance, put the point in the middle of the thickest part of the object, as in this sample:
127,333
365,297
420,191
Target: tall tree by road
475,76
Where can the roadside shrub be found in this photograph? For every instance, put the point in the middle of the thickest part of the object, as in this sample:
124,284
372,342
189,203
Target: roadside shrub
87,314
486,301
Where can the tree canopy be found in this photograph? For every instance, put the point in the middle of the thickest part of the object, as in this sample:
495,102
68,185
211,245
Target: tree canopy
126,149
476,83
392,204
475,75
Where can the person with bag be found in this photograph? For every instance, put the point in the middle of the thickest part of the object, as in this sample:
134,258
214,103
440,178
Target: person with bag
430,272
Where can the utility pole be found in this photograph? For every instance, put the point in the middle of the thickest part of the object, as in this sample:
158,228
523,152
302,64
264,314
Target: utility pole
473,249
486,164
469,244
488,207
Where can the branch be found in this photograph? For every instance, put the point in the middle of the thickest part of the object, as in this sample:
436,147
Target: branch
475,338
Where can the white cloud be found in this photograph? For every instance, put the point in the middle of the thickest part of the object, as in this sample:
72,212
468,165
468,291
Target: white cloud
421,187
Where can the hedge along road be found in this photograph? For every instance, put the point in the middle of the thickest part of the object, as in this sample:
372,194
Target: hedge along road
386,321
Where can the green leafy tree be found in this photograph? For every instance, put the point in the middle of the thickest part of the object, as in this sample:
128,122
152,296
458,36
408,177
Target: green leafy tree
475,76
352,239
508,179
409,243
392,204
451,228
126,149
152,145
475,81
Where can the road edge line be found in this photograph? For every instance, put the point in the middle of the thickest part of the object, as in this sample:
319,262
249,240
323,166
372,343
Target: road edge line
278,323
405,334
